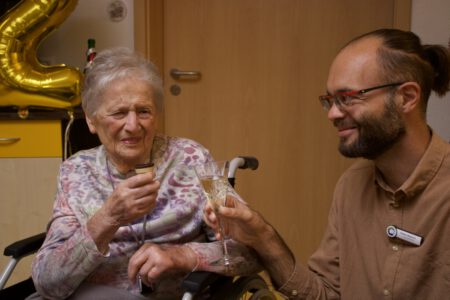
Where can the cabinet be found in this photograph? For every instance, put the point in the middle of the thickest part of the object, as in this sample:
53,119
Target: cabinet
30,155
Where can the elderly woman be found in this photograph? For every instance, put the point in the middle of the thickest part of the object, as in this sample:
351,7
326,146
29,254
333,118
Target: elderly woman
111,228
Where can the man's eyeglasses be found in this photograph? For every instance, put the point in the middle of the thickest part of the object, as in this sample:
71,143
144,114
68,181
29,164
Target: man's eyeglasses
344,99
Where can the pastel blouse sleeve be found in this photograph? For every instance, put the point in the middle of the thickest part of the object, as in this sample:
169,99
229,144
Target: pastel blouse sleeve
68,254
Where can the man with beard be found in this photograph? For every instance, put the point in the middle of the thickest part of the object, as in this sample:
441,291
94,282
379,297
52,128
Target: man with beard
389,222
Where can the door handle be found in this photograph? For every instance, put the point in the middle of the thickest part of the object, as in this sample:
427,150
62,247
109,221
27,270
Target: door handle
179,74
9,140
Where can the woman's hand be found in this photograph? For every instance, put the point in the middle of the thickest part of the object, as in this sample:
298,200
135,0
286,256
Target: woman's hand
131,199
153,262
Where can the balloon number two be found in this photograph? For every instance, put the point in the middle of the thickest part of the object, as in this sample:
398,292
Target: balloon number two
24,81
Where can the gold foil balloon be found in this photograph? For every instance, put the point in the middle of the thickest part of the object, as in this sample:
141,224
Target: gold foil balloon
24,81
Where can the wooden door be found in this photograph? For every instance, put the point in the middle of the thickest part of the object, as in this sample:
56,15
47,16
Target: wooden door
263,63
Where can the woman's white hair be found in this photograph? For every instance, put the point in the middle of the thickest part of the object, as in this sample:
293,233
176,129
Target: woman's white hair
116,63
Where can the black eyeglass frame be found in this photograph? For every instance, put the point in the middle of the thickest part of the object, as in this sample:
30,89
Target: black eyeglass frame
344,98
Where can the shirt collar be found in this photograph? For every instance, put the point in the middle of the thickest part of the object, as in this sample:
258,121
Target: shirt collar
425,170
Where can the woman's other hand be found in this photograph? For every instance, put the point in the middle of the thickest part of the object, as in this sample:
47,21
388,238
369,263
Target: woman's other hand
153,262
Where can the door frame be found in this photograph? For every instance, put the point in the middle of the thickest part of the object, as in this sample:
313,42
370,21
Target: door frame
149,30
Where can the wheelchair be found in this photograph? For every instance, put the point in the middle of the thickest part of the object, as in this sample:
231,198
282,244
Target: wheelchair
198,285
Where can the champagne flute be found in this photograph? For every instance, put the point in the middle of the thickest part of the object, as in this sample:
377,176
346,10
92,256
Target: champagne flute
213,176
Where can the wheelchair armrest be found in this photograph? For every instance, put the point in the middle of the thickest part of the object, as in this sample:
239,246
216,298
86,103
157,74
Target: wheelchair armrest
25,247
197,281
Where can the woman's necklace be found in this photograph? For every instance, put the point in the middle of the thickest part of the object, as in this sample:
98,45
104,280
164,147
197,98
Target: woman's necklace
144,229
143,289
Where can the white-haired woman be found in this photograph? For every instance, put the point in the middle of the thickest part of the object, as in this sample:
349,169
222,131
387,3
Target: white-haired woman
112,228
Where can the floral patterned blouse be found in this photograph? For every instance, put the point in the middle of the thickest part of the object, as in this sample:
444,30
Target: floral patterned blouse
69,255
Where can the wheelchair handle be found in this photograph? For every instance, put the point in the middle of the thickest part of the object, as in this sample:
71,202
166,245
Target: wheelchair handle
241,162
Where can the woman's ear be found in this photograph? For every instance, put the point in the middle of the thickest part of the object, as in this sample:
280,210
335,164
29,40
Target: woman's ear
411,96
90,124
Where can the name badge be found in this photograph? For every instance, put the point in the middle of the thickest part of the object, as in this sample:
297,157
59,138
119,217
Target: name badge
395,232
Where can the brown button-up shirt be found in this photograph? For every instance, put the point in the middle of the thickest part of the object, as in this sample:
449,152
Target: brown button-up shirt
358,260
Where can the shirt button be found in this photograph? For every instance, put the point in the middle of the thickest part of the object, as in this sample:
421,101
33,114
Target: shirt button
395,248
386,292
395,204
294,293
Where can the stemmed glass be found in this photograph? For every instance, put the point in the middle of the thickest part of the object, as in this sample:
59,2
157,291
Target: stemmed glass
213,176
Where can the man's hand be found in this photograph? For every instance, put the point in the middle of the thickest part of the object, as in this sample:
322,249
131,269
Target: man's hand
239,222
243,224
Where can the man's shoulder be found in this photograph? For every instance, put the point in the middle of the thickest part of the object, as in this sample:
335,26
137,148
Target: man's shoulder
362,170
359,167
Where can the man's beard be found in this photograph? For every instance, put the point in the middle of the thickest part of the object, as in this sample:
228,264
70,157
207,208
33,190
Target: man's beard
376,134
